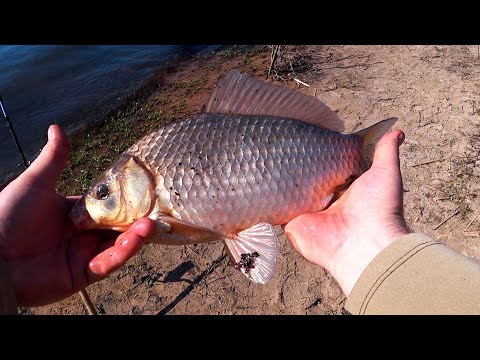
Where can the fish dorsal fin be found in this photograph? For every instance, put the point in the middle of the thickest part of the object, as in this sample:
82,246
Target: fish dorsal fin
241,94
254,252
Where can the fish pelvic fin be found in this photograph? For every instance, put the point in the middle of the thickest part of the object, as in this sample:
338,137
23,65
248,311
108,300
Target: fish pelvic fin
172,231
254,252
371,135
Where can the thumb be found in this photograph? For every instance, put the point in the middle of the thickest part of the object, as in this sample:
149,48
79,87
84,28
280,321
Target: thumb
387,154
48,166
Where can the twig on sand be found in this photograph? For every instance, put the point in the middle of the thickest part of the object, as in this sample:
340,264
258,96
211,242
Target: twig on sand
274,72
413,142
273,58
428,162
351,66
448,218
301,82
470,223
87,302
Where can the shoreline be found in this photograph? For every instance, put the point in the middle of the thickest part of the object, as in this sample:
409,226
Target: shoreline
176,91
74,86
170,93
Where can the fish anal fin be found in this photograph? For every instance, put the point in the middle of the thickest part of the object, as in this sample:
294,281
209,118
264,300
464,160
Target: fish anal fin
254,252
240,94
172,231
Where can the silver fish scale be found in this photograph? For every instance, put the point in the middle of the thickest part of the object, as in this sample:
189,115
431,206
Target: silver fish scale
230,172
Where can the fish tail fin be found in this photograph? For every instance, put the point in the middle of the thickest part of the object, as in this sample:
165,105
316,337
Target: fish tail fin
371,135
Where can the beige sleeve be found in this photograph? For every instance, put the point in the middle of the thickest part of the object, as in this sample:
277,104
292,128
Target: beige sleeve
417,275
8,301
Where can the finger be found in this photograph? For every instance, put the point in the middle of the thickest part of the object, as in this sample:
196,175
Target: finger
306,233
387,154
143,227
48,166
125,247
289,230
111,259
299,229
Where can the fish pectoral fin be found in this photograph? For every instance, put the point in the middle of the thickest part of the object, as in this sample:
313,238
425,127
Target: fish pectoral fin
172,231
340,190
254,252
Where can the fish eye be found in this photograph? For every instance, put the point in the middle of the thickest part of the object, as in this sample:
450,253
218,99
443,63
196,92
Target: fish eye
102,191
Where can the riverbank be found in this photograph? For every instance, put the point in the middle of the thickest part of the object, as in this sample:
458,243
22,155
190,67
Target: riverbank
172,93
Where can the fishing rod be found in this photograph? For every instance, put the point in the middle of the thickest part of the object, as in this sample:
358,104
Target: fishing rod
12,131
83,293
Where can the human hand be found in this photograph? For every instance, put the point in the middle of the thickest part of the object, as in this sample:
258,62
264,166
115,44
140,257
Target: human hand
46,257
346,237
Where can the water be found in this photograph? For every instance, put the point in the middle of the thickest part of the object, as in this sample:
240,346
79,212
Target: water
70,86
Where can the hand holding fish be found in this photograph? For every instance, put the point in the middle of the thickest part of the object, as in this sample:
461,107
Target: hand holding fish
46,257
346,237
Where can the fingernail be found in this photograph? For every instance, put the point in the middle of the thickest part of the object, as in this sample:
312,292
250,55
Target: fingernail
138,225
50,133
400,138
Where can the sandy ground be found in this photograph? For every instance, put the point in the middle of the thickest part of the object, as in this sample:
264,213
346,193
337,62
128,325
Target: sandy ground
435,93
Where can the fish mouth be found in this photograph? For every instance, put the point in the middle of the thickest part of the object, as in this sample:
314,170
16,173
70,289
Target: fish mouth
81,217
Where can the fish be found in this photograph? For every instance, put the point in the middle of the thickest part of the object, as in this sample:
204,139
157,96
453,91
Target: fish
257,155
